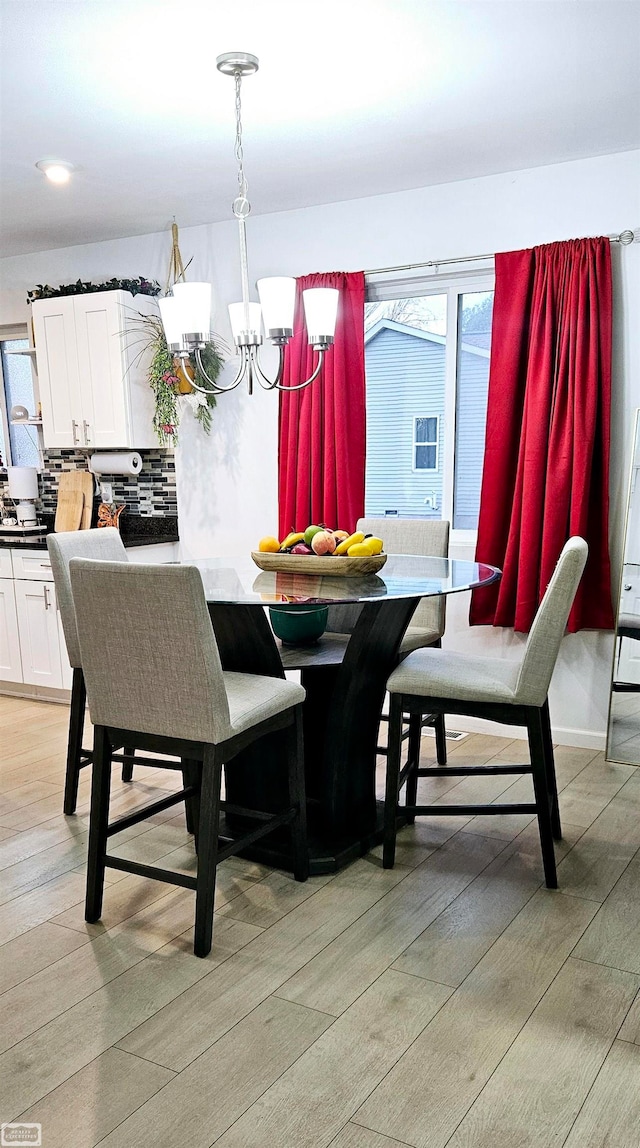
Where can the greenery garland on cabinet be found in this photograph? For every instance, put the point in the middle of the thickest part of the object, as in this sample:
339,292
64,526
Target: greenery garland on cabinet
140,286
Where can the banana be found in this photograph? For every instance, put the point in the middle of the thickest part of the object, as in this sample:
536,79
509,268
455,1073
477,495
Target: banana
352,540
291,539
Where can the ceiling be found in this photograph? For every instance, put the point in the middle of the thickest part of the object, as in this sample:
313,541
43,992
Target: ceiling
353,98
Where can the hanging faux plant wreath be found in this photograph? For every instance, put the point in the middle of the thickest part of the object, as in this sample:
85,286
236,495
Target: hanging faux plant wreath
170,378
171,382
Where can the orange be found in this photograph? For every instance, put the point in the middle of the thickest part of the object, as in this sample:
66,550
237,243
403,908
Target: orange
269,544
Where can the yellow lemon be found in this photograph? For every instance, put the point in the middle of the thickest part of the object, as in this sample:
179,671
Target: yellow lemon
269,545
375,545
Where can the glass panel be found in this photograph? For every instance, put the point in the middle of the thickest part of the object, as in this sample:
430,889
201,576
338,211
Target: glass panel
474,346
623,735
424,312
425,458
405,345
18,386
427,430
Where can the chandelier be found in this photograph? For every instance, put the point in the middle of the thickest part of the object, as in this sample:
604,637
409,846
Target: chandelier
186,314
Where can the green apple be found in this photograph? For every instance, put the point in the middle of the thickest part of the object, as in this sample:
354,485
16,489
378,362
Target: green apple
309,533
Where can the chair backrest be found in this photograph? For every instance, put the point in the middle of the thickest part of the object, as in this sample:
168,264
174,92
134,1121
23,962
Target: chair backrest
549,624
149,654
104,544
415,536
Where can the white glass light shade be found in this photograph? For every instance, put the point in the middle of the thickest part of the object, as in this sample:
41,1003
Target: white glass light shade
195,306
171,315
278,299
237,316
320,310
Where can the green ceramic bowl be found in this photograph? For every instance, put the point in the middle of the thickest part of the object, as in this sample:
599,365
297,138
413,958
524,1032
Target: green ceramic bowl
299,626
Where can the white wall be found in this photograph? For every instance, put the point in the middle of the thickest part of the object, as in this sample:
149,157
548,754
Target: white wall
227,483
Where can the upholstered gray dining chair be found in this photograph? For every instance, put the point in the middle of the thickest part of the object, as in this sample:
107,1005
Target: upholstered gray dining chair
428,536
105,544
155,682
430,681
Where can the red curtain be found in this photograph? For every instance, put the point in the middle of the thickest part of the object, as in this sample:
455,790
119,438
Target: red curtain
546,463
322,427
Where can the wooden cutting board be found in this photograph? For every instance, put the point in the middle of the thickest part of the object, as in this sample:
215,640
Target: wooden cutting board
69,510
79,481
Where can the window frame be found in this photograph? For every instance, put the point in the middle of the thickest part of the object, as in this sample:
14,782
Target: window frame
8,333
430,442
401,285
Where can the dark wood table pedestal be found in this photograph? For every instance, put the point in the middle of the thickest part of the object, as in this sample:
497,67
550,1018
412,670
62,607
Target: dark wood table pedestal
345,696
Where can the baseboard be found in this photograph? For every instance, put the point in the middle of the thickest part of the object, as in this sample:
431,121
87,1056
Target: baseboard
580,738
35,693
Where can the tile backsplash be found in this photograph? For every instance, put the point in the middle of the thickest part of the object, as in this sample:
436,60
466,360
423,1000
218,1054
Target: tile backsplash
150,493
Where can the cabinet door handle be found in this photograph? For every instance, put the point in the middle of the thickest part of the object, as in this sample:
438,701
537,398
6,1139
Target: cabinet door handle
45,565
87,429
74,427
47,603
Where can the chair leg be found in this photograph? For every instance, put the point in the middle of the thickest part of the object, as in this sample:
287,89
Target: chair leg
207,851
297,797
127,766
441,739
413,756
543,802
74,743
394,752
100,787
191,776
550,766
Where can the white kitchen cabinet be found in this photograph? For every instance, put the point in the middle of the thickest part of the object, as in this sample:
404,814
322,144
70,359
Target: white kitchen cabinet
10,661
93,381
39,633
32,646
65,665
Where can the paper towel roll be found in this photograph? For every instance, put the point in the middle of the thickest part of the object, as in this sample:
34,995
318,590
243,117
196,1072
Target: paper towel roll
118,462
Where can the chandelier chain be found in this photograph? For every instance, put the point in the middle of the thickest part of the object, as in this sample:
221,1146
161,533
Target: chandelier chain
241,206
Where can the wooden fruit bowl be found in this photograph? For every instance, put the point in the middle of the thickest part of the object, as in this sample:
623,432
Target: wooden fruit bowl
328,564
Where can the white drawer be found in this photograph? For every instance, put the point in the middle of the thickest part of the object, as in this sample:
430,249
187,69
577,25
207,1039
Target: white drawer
156,552
32,564
6,569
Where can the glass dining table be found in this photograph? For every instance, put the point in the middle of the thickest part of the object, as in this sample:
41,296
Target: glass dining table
344,674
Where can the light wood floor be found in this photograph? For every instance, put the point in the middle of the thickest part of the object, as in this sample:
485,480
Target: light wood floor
452,1001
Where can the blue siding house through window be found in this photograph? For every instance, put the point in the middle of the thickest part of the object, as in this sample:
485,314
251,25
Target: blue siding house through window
405,378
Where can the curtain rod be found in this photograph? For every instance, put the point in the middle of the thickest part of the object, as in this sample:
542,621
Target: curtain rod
624,238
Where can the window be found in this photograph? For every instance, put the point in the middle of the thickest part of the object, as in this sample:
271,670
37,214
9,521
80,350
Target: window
425,443
18,444
427,348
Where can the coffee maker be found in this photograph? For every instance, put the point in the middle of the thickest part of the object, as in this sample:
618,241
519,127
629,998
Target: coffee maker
22,522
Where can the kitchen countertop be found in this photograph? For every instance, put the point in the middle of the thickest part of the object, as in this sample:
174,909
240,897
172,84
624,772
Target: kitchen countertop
136,530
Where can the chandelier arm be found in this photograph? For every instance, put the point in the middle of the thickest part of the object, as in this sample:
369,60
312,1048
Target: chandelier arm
266,383
214,387
279,387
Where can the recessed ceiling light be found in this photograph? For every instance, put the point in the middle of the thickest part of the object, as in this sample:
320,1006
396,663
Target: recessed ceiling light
57,170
